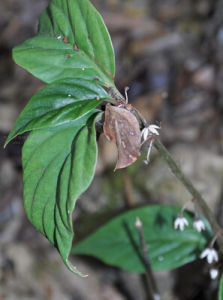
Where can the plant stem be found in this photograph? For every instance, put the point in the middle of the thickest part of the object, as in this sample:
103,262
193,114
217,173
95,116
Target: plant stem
115,94
201,203
152,287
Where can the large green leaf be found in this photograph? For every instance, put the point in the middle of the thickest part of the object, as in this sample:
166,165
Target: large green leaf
72,40
220,292
59,103
58,165
117,243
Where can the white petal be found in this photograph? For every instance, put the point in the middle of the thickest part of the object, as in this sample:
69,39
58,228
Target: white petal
213,273
196,226
153,129
154,126
210,258
176,223
181,226
142,132
202,227
145,133
199,229
149,151
205,253
215,255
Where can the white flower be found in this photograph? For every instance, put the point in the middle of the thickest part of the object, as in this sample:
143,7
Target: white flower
198,225
180,222
214,273
211,255
148,152
148,134
149,131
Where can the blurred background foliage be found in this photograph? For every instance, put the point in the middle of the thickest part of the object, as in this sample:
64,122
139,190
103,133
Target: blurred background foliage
169,53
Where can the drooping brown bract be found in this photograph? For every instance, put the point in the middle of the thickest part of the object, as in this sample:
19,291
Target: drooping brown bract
122,128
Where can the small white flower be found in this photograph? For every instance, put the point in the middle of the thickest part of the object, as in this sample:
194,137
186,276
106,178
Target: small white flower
211,255
180,222
198,225
214,273
149,131
148,134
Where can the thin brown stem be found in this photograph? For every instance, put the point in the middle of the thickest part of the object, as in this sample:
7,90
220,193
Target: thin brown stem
151,283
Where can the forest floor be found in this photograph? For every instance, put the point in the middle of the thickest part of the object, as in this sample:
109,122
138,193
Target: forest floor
170,54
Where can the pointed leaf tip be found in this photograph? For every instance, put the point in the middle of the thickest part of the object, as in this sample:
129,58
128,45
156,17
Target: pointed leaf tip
73,269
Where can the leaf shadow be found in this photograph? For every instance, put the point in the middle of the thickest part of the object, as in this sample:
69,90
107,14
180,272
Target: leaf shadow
160,220
133,242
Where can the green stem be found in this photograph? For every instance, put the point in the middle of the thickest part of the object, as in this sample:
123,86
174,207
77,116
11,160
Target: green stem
115,94
205,210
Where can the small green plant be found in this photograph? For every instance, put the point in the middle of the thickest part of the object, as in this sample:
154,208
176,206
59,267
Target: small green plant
73,54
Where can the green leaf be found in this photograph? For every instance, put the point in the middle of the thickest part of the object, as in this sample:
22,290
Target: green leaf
220,292
72,40
117,243
58,165
59,103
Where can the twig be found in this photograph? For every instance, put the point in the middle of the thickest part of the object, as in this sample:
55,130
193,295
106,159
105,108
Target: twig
152,287
201,203
128,189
